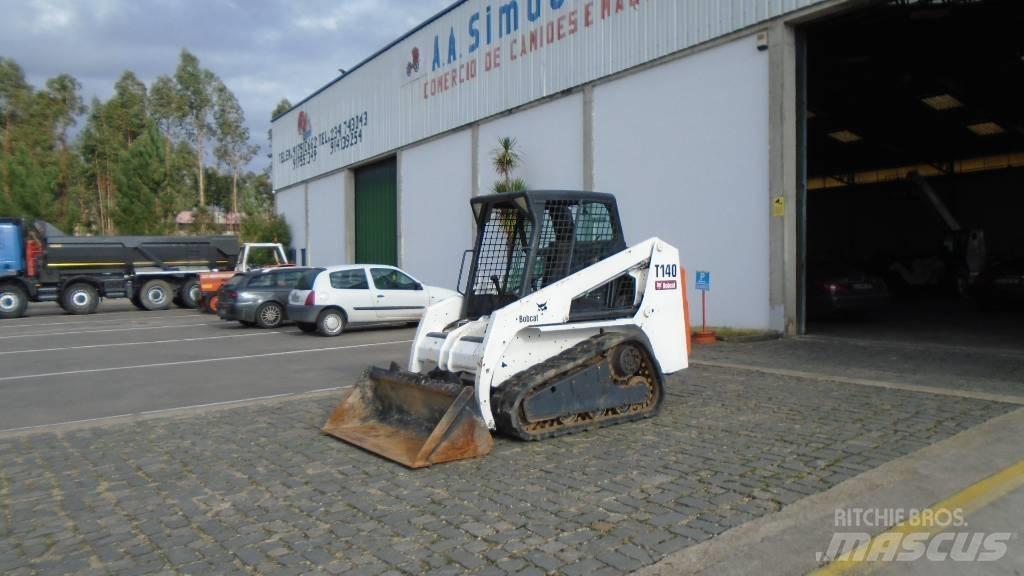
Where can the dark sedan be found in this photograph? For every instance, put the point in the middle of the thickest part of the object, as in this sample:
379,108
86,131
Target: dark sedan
1000,285
834,290
259,298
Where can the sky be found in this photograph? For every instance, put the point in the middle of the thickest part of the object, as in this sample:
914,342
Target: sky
264,50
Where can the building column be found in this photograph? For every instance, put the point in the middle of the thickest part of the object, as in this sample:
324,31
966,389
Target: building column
305,208
588,137
783,206
350,216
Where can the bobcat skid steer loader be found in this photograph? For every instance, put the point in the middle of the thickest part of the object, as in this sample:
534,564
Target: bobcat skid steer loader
562,328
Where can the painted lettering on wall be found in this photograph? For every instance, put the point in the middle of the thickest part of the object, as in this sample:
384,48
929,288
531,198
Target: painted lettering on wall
509,30
342,136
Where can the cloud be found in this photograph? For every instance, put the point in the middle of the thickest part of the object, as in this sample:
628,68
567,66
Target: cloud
341,15
51,15
264,50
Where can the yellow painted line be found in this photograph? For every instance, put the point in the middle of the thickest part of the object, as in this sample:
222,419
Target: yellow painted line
969,500
69,264
139,263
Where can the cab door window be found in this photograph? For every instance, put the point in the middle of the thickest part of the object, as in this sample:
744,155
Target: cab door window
391,279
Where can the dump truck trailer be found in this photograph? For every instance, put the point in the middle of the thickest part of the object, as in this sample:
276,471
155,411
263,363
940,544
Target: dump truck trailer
40,263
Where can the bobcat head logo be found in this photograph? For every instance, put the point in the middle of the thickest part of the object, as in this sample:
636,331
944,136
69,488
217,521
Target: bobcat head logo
542,306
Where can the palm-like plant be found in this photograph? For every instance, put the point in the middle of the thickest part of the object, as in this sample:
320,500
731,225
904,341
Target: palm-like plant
505,159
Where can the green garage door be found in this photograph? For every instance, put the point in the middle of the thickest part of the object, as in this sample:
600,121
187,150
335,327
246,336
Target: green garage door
377,213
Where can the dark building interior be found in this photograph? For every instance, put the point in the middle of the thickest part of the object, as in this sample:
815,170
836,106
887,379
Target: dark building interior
914,139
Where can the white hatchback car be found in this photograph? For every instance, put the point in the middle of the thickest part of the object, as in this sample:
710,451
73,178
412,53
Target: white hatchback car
326,300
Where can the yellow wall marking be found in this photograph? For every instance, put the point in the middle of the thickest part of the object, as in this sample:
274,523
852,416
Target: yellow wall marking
779,206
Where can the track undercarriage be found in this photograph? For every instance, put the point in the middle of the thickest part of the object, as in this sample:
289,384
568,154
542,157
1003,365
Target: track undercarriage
605,380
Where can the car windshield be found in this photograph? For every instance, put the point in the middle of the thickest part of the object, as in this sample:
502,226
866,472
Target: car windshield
308,278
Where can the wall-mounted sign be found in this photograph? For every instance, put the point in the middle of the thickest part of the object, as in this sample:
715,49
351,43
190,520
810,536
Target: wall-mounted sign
484,57
779,206
341,136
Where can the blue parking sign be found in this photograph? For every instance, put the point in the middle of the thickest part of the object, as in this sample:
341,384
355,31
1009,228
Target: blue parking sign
703,281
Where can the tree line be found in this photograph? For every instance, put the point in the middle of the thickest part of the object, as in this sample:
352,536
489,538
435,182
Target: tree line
141,157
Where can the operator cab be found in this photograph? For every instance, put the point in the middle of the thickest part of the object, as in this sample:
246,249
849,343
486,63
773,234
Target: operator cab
529,240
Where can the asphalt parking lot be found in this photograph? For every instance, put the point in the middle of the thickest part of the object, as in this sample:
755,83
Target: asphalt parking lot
122,361
175,443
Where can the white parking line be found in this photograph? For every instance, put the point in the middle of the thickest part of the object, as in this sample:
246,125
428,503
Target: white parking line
217,403
104,321
100,419
201,361
165,327
175,409
90,346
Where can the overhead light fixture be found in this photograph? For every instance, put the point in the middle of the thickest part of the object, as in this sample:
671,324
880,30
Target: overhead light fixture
845,136
942,102
986,129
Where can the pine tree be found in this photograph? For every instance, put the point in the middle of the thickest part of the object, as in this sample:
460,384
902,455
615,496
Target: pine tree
15,94
141,179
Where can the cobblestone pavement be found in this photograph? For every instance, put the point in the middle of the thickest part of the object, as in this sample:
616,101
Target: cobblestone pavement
257,489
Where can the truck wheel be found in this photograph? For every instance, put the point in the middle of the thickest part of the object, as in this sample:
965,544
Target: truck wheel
269,315
13,301
307,327
189,294
80,298
156,295
330,323
136,301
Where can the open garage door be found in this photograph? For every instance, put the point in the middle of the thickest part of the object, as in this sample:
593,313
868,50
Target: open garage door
915,171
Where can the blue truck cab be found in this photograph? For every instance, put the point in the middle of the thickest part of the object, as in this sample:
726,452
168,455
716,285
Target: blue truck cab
14,290
12,247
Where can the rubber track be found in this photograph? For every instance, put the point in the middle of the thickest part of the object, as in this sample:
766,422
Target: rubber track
512,391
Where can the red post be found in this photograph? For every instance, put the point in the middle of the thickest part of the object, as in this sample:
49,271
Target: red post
704,310
705,336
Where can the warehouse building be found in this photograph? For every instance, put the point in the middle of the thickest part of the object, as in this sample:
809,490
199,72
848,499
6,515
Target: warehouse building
772,141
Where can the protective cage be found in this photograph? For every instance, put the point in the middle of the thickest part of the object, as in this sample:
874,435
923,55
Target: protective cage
528,240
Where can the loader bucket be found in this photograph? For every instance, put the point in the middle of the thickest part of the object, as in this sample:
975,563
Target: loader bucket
411,419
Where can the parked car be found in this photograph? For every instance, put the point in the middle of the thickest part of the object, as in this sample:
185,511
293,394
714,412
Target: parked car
1001,284
259,298
328,300
836,289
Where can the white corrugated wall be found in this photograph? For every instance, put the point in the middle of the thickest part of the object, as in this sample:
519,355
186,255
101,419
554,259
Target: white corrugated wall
386,106
435,182
684,147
